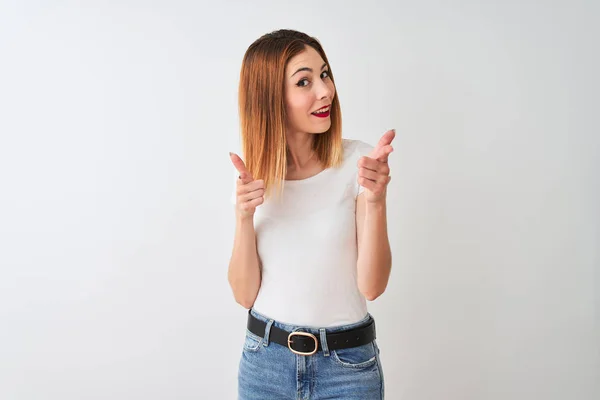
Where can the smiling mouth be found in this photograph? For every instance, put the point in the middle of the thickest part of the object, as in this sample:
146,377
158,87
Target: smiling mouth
322,112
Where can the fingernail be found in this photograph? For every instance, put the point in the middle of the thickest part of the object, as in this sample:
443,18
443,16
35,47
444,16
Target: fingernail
230,153
394,130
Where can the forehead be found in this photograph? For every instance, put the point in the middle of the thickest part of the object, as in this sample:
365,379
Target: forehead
308,58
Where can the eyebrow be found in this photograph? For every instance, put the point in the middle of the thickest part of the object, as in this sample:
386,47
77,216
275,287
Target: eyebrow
308,69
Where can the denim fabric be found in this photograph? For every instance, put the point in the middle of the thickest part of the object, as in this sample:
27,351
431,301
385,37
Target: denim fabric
270,371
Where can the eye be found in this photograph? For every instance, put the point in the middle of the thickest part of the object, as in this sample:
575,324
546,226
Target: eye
301,81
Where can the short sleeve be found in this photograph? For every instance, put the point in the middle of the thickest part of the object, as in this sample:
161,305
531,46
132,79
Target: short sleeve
362,149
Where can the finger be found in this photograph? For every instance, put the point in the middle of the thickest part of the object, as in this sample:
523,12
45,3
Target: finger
252,203
249,187
374,165
243,180
367,183
385,140
382,153
367,162
373,186
251,195
387,150
254,185
238,163
373,176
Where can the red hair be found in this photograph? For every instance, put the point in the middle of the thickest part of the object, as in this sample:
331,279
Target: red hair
262,108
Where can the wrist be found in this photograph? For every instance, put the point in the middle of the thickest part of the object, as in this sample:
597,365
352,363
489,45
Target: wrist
241,219
380,202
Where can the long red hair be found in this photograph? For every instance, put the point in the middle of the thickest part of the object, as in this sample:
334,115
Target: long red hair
262,108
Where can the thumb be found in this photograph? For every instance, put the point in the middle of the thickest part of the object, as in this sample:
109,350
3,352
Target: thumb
239,165
381,153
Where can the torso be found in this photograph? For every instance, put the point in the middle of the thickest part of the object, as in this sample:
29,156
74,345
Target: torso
306,243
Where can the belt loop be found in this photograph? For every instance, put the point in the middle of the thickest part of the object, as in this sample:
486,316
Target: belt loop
268,331
324,342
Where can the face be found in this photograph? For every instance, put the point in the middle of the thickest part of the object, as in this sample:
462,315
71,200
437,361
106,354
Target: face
308,88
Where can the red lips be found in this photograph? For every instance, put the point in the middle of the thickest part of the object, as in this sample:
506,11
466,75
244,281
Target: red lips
322,115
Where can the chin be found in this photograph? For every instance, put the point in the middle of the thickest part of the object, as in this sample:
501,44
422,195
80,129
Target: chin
320,129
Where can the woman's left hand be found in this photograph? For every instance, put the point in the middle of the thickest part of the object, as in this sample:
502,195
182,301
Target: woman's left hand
374,171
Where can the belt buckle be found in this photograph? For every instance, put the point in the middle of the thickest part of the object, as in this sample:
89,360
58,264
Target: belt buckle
303,334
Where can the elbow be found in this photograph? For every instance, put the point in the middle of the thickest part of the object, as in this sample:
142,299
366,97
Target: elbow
372,295
244,300
242,295
373,291
247,304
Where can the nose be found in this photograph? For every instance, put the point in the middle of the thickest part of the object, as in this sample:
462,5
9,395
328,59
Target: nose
323,90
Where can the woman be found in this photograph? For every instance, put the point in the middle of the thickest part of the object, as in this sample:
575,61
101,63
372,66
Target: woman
305,262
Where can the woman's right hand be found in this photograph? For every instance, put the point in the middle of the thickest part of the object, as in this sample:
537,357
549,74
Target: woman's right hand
250,193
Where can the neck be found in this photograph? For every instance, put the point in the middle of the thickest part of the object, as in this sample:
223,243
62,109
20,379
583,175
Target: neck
299,152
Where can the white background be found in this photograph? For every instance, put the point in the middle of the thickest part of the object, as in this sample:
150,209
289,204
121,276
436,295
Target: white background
116,119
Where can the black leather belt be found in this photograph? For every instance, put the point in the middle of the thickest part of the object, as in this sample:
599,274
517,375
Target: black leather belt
305,343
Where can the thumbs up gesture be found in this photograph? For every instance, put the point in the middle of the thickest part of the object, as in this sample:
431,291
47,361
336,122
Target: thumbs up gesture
374,171
250,192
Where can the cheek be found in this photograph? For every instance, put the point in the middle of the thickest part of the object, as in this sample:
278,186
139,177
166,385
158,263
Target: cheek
299,104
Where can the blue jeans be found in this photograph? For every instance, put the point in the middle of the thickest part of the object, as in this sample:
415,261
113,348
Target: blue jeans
270,371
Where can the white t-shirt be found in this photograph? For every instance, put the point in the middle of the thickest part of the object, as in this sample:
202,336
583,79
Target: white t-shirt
307,247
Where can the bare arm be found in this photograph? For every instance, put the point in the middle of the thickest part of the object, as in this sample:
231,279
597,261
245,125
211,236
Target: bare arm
374,263
244,273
